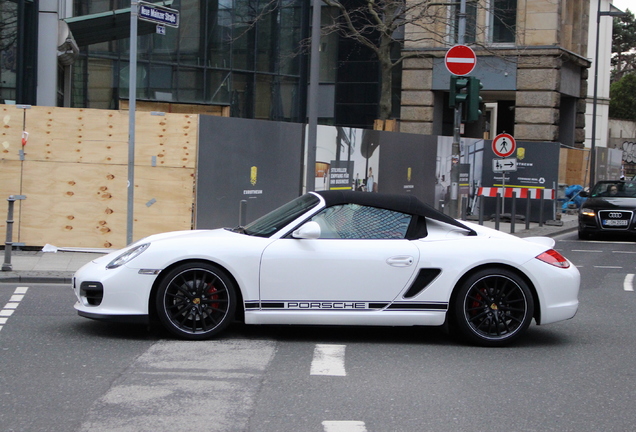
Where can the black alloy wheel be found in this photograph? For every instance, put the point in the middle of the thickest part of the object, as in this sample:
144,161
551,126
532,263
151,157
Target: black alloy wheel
493,307
196,301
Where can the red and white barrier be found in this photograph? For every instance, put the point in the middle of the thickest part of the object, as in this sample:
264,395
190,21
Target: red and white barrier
507,192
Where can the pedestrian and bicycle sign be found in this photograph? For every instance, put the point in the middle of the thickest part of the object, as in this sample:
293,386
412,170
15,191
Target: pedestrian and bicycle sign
504,145
460,60
504,165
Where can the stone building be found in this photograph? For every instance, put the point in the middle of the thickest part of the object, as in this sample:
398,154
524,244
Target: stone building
531,60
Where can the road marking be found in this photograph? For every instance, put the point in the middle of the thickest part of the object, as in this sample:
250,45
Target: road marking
628,283
328,360
10,307
609,267
624,252
344,426
587,250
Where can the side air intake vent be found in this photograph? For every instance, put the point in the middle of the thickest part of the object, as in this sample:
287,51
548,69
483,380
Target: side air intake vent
423,279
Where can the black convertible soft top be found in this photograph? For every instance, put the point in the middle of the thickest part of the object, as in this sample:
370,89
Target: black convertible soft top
400,203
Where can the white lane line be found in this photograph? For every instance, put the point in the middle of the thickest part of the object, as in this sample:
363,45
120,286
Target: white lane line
328,360
608,267
9,308
344,426
587,250
628,283
624,252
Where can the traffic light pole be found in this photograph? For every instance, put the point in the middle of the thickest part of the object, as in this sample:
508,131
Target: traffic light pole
453,205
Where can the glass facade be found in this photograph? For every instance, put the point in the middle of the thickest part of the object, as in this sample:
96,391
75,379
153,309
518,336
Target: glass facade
239,53
8,49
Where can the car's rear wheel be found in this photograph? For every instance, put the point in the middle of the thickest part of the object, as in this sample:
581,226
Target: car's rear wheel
196,301
493,307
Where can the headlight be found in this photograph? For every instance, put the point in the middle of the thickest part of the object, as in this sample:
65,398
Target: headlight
127,256
588,212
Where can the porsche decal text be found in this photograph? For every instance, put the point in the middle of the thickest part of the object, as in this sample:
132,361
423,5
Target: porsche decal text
326,305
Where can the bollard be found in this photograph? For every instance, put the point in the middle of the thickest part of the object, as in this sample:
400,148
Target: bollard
497,210
243,213
541,191
481,209
528,203
513,212
8,244
464,210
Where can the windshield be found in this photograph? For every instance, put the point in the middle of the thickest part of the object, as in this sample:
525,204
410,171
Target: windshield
272,222
614,189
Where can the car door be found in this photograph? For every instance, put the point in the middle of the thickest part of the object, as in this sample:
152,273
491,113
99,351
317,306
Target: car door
361,256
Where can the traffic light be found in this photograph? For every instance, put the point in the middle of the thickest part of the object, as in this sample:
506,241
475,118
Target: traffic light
473,100
458,90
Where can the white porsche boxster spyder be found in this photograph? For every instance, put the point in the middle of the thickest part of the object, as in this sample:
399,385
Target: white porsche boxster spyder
336,258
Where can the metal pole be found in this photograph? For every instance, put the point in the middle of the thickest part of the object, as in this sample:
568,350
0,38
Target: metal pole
513,212
541,191
528,205
497,210
243,213
8,244
132,106
455,153
595,100
455,150
312,109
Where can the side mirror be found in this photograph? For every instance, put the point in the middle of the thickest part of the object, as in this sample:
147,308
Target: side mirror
310,230
584,194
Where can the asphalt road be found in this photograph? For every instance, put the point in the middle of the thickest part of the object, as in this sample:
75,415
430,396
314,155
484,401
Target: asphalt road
62,372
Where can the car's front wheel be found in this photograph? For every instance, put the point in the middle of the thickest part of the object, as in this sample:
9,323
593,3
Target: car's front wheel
196,301
493,307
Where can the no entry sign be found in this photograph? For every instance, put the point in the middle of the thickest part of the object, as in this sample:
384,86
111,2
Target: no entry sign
460,60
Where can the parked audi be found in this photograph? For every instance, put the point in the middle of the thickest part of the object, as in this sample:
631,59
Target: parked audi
609,209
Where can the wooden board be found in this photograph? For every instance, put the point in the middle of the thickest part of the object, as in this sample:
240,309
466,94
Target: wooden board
81,205
573,166
11,124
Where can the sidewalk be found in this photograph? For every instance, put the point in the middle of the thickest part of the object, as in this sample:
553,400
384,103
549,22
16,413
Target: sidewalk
58,267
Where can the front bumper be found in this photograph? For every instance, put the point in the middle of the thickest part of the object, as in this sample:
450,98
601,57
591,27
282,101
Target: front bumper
120,294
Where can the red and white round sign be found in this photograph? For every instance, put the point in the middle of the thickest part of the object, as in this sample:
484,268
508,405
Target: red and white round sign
504,145
460,60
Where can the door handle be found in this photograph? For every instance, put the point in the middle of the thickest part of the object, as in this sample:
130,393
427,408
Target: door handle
400,261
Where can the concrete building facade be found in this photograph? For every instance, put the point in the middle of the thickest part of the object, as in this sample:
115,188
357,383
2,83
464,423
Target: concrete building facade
532,62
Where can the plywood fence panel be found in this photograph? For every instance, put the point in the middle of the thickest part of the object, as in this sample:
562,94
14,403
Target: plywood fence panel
168,140
11,132
74,135
163,200
573,166
72,204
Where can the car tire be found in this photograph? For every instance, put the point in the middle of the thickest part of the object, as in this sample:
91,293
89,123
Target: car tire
196,301
493,307
584,235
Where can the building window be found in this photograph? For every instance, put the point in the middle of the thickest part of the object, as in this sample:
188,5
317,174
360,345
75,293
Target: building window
503,23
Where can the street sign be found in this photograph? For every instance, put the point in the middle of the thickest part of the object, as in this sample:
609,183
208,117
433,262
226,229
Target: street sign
504,165
504,145
460,60
158,14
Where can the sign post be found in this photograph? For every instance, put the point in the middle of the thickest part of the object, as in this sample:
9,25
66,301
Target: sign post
504,145
459,60
162,16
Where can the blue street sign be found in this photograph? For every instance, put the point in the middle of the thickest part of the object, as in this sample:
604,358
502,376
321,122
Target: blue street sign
158,14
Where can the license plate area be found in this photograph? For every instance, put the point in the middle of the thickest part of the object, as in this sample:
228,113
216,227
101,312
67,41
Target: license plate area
615,223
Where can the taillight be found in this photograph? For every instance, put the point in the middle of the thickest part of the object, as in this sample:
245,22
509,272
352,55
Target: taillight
554,258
